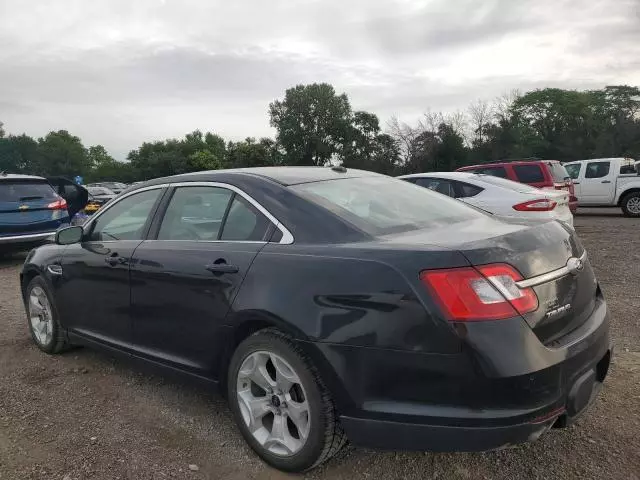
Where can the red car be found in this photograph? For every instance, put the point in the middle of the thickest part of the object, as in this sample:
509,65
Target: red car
537,173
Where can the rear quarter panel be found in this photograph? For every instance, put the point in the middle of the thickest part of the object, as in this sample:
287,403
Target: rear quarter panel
348,296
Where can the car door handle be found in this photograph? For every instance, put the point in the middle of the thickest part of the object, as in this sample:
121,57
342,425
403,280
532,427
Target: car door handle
222,267
576,183
606,181
114,260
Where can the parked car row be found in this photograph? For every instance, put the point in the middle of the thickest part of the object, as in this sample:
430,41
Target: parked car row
332,304
498,196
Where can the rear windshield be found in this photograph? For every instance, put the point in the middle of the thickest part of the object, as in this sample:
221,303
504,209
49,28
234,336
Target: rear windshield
381,205
529,173
558,172
509,184
25,190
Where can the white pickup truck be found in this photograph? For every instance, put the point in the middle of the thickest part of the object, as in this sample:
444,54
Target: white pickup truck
607,182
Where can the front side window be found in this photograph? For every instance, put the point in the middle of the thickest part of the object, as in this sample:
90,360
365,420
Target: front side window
126,219
597,169
573,170
381,205
528,173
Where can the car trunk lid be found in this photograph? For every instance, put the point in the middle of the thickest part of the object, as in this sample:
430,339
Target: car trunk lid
538,251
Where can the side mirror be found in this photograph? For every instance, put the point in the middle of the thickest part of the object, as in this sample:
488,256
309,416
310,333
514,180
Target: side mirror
69,235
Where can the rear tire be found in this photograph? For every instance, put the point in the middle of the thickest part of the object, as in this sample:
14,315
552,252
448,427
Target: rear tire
631,204
43,319
293,428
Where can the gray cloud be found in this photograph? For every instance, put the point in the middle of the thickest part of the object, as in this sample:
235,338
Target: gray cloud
118,72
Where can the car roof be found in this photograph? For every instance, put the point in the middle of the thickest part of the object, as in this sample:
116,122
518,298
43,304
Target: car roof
597,160
15,176
509,162
283,175
449,175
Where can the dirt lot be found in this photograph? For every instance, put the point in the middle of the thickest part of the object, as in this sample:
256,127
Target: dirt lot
86,415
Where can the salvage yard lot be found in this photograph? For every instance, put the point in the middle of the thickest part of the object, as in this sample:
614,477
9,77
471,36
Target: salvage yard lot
86,415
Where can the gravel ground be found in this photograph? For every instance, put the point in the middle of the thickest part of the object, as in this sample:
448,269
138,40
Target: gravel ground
86,415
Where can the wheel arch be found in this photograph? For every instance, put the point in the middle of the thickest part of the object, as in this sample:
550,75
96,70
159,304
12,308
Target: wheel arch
246,323
625,193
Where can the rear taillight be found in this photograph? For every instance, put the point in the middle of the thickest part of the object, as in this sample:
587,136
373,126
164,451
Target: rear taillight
60,204
488,292
542,205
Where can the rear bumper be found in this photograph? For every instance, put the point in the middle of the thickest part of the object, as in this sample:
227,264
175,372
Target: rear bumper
469,402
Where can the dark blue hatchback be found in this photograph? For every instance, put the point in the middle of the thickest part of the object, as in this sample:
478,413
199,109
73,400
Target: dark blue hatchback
32,209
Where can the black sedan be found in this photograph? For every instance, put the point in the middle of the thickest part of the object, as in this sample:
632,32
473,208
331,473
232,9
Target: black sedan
330,305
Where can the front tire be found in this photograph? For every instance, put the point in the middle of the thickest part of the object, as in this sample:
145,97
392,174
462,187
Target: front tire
280,403
42,317
631,204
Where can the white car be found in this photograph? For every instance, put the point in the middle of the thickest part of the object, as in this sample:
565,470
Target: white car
607,182
498,195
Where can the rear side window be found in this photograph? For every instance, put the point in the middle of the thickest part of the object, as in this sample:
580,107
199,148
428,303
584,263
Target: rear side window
558,172
244,222
437,185
465,190
381,205
495,171
597,169
573,170
25,190
529,173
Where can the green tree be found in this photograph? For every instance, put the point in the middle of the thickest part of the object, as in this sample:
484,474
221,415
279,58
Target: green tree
252,153
18,154
1,130
60,153
312,123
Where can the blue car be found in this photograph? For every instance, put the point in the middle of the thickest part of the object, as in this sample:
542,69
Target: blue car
33,208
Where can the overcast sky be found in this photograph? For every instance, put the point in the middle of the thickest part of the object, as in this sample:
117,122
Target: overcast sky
119,72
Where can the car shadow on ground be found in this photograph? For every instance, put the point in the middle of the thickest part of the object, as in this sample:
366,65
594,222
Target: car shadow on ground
12,259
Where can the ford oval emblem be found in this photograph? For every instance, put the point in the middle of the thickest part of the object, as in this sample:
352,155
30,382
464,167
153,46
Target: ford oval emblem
575,265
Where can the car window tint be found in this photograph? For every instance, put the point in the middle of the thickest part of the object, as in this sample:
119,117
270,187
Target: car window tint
573,170
466,190
597,169
437,185
528,173
195,213
21,190
244,222
381,205
495,171
125,220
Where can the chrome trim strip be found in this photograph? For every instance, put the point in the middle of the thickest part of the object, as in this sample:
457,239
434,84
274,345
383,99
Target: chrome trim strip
287,237
549,276
32,236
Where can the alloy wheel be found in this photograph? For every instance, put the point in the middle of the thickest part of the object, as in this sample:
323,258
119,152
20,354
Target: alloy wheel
273,403
633,205
40,316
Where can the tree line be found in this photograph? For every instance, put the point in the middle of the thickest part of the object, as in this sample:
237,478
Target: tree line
316,126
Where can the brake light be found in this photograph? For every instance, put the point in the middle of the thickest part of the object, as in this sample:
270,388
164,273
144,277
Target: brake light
488,292
542,205
60,204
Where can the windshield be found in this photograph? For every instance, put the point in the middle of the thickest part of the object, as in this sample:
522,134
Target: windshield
382,205
504,183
